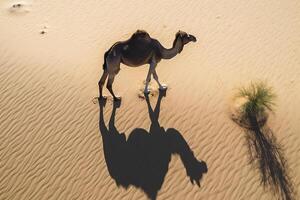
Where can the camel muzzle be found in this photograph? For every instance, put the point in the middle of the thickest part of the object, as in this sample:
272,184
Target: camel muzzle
192,38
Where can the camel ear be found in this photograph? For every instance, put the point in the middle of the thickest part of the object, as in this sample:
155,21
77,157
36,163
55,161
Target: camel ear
181,33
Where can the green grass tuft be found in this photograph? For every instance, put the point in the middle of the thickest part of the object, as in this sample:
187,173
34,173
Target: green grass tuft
260,98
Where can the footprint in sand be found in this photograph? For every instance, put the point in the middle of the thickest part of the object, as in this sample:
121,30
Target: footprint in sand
154,90
20,8
44,30
95,100
18,5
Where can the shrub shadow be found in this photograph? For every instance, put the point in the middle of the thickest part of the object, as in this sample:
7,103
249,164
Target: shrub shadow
267,155
143,159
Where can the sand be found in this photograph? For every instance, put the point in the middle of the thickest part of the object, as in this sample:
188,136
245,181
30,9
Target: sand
51,57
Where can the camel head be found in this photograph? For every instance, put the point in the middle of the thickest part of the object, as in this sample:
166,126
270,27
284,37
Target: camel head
185,37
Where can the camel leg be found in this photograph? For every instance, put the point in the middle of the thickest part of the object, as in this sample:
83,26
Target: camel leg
161,87
148,78
101,83
110,81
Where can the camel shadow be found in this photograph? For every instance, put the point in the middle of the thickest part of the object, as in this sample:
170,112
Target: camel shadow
143,160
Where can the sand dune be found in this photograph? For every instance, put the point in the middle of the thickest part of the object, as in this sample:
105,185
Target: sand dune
51,59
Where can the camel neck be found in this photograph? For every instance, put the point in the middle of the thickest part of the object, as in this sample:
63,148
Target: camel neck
177,47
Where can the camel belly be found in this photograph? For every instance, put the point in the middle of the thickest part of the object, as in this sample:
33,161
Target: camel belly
135,56
134,63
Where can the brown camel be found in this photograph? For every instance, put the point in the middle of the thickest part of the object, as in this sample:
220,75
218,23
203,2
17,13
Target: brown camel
140,49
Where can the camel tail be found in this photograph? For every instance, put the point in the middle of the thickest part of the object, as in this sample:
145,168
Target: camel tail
105,56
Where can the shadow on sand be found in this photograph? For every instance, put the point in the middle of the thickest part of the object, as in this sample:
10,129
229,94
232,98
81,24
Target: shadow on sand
143,160
267,155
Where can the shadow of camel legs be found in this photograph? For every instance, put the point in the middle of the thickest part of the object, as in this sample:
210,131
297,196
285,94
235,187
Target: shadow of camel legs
143,160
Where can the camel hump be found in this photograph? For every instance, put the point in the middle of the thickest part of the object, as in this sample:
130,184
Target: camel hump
140,34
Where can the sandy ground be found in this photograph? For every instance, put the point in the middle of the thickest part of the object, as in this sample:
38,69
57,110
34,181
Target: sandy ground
51,57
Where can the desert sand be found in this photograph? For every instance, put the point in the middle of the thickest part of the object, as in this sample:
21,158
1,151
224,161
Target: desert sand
51,60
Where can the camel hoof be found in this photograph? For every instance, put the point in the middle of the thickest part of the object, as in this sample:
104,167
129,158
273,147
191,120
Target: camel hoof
117,98
147,91
163,87
162,93
98,99
102,98
102,101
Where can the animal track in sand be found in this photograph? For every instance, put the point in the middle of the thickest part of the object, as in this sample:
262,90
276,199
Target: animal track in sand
95,100
20,7
109,99
154,90
44,30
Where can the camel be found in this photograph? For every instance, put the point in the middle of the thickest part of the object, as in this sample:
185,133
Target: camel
138,50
